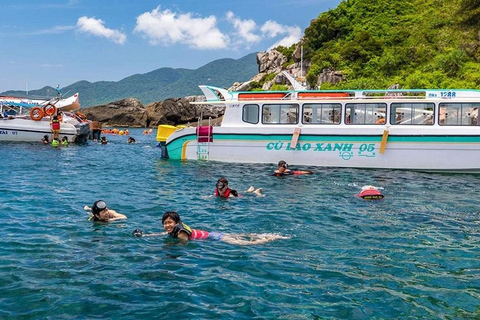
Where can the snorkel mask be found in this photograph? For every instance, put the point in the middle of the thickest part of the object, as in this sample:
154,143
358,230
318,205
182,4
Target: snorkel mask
98,206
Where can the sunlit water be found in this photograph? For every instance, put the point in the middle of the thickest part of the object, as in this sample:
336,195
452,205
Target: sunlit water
414,254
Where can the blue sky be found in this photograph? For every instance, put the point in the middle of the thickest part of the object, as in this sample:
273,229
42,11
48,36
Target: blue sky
50,42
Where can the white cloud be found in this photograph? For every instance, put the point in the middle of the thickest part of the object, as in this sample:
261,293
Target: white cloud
244,28
97,28
273,29
167,27
53,30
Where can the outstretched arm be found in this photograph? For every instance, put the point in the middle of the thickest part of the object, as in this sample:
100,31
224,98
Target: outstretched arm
114,215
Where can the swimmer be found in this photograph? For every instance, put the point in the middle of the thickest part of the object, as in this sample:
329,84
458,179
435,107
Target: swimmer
222,190
131,140
283,170
175,228
101,213
45,140
370,193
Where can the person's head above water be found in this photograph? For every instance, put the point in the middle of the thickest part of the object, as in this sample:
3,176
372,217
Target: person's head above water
222,183
172,215
282,164
98,206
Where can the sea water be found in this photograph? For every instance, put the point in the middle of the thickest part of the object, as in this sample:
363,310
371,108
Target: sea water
414,254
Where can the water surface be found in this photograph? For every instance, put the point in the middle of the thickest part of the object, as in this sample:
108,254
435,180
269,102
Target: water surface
414,254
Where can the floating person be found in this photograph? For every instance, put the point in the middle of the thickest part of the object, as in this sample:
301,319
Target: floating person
283,170
370,193
55,143
131,140
103,140
176,229
45,140
101,213
65,141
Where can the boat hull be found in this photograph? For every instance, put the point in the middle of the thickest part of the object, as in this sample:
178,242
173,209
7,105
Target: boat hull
430,149
26,130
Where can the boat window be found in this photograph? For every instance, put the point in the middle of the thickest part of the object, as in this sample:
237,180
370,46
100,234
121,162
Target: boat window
365,113
322,113
412,113
250,113
458,114
280,113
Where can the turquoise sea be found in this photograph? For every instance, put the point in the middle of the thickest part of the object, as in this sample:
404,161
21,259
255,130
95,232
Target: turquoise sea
413,255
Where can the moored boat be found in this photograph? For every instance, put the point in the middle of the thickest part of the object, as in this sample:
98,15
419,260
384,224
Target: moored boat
414,129
23,119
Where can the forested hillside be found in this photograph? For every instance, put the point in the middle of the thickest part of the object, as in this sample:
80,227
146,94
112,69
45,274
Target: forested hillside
414,43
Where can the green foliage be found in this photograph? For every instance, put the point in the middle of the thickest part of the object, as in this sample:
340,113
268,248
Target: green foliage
415,43
287,52
279,87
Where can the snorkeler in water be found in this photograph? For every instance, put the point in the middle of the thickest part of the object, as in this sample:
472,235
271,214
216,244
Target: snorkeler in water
283,170
101,213
223,191
175,228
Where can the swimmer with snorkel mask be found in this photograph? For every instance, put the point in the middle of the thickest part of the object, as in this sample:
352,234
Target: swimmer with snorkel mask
223,191
101,213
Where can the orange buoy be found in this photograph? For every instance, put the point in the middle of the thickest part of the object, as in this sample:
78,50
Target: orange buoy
49,109
36,113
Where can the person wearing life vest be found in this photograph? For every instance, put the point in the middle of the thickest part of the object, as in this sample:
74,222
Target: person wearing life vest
55,125
175,228
282,168
222,189
55,143
65,141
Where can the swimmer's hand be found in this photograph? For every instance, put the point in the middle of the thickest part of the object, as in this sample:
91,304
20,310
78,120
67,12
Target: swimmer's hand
87,208
137,233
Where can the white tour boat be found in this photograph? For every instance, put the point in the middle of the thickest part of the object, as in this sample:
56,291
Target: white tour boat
425,130
25,119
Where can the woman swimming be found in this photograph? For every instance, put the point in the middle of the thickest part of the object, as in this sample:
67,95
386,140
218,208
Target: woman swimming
101,213
175,228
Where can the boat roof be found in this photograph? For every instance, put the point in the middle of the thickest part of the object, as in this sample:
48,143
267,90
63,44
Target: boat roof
220,95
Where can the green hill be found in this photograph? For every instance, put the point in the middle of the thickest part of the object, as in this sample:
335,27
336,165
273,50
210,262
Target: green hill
159,84
414,43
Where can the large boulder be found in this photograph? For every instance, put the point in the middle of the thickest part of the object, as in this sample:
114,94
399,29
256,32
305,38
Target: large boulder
127,112
180,111
270,61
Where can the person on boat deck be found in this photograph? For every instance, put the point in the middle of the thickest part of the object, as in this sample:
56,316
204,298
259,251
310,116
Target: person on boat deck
45,140
282,168
222,189
101,213
131,140
55,124
65,141
175,228
103,140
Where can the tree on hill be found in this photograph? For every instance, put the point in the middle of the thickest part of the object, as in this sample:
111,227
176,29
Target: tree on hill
415,43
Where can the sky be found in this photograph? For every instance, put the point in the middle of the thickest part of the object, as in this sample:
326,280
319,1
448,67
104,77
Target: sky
60,42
